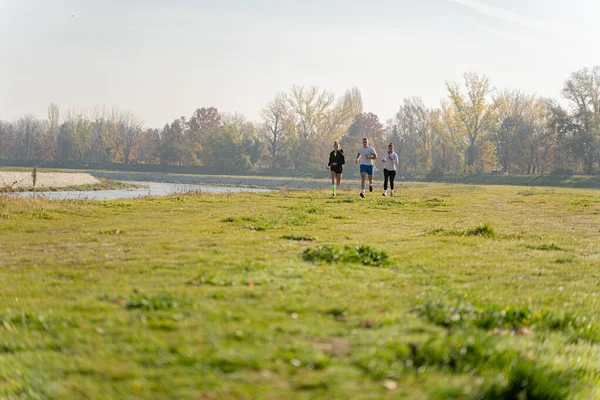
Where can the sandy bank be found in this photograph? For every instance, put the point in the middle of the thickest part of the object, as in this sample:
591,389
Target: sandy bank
45,179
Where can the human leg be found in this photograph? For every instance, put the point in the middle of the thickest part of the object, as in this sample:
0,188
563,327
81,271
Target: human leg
333,183
363,176
385,180
392,177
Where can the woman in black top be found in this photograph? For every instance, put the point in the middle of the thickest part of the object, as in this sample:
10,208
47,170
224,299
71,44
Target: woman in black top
336,160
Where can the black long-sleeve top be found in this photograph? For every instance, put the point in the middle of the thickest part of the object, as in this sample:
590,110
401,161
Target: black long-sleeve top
336,157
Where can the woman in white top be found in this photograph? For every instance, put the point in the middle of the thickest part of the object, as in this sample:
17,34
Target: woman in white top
390,161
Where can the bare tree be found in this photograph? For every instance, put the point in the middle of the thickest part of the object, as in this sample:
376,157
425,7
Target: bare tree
130,129
276,130
28,130
317,120
417,118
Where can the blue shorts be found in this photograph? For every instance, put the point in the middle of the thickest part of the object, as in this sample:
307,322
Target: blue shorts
366,168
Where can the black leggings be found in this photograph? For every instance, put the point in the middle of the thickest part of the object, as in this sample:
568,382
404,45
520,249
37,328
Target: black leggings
391,175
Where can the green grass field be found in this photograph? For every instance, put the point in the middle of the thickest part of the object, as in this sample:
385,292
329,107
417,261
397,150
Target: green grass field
443,292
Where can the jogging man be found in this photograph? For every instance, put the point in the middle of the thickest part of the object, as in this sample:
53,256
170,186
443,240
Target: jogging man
366,154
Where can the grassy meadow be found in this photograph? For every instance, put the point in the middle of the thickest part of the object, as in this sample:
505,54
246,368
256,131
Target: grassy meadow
442,292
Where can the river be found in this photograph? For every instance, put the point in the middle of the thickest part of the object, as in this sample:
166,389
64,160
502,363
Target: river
148,189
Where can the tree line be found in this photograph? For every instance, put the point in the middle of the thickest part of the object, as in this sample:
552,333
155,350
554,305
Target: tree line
476,128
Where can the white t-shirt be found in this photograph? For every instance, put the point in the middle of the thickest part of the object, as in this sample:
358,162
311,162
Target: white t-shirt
363,155
391,160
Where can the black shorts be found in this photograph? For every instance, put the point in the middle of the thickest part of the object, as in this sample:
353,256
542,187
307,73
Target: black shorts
337,170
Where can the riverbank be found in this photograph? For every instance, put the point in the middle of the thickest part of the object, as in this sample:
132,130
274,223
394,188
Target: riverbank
320,175
16,181
246,181
239,181
44,180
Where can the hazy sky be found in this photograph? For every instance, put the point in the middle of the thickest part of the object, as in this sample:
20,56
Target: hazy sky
164,59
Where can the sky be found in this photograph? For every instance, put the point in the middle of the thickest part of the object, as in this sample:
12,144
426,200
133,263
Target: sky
164,59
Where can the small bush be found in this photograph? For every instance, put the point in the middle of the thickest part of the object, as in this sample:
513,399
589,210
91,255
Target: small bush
155,303
300,238
460,314
434,174
529,192
544,247
390,202
482,230
528,380
274,220
346,200
562,172
365,255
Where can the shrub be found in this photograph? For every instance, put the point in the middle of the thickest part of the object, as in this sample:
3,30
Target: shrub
159,302
365,255
434,174
301,238
562,171
528,380
485,230
481,230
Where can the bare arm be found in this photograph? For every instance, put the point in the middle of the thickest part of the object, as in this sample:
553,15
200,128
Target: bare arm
357,157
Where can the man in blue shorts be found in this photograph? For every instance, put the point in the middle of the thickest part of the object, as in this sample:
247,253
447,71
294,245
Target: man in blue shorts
366,154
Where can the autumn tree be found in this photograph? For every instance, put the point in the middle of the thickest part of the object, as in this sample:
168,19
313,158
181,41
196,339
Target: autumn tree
202,123
475,110
367,125
582,89
247,135
146,150
445,154
173,144
45,148
515,118
316,119
228,150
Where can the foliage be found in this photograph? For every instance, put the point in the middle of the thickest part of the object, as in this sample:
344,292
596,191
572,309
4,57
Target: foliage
476,129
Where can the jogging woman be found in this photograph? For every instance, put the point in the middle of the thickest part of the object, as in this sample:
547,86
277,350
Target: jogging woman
390,161
336,160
